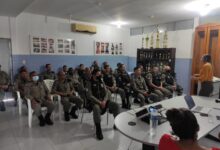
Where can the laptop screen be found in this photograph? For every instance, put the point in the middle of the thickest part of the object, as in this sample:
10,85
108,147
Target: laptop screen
189,101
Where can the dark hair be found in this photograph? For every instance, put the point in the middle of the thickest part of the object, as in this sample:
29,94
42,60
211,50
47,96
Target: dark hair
136,68
119,64
106,66
95,71
32,72
183,122
64,66
206,58
47,65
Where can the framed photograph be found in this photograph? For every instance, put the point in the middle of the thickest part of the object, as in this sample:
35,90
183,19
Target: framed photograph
108,48
52,46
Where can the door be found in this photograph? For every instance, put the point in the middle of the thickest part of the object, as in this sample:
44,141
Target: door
5,55
199,50
213,48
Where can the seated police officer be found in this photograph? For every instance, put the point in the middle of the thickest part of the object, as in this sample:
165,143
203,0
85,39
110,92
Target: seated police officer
65,69
48,73
140,88
63,88
22,82
4,82
110,83
170,82
156,81
39,96
101,100
123,81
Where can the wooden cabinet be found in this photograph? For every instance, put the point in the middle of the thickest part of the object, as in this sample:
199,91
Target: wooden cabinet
206,41
156,57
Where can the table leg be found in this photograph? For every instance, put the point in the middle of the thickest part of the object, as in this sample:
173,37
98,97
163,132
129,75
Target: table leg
147,147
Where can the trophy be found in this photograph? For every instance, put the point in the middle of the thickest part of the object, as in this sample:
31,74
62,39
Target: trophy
152,41
158,39
147,41
142,42
165,40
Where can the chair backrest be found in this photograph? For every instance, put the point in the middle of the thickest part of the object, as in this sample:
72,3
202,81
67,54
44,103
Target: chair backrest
49,84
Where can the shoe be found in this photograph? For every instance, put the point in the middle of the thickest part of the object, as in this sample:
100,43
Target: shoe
73,112
136,101
114,127
48,120
99,135
124,106
41,121
66,116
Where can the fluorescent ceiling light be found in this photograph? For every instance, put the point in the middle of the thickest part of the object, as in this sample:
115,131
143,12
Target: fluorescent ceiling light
203,6
119,23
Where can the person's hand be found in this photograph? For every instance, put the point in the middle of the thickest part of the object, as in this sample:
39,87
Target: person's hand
160,88
4,87
194,78
33,103
103,104
145,94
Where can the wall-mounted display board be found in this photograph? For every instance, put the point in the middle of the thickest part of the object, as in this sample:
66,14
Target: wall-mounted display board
53,46
108,48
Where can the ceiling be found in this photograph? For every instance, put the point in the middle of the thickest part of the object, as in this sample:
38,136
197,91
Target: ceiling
134,12
12,8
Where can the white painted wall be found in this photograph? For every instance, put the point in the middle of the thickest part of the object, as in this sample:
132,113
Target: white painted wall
19,29
29,24
182,40
4,27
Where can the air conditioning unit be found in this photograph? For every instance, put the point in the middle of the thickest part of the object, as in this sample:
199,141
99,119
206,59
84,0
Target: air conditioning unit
83,28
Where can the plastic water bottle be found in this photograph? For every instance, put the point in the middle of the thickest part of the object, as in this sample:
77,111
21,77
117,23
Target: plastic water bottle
153,121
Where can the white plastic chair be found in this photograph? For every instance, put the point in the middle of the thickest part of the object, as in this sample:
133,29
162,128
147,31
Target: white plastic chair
19,102
30,112
49,84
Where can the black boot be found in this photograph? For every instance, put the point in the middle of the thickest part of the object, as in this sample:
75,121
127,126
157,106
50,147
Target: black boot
66,116
48,120
99,135
73,112
41,121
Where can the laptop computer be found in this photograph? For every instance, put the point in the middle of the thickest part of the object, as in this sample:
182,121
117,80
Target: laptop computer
144,116
192,106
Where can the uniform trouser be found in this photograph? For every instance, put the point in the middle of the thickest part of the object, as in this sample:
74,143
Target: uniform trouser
97,111
127,93
164,93
179,89
66,101
37,107
2,94
206,88
152,96
121,92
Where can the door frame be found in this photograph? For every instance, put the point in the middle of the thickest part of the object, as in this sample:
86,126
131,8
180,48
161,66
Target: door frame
11,68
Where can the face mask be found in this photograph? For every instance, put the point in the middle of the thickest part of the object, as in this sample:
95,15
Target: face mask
35,78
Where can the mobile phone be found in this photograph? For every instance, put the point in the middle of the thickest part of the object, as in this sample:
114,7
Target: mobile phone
203,114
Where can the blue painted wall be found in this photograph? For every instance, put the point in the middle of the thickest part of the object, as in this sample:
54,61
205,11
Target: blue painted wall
37,62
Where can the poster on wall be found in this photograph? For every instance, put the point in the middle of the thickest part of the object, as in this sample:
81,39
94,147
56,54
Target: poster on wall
55,46
108,48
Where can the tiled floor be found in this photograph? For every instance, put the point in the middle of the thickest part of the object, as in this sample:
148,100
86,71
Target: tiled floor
15,134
